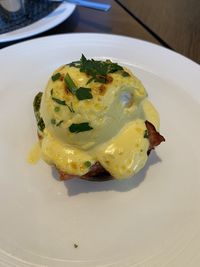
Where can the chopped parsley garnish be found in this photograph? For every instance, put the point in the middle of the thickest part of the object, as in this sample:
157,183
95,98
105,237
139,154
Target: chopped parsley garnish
87,164
125,73
56,76
36,107
41,125
59,123
70,84
83,93
57,109
53,121
62,102
80,127
71,107
74,64
146,134
37,102
98,70
59,101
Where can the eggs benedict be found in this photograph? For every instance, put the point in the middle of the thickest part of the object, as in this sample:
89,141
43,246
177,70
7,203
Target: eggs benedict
94,121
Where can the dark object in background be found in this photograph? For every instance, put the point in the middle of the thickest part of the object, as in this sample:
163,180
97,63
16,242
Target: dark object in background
34,10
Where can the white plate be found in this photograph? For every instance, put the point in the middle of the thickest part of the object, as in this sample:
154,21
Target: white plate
152,220
61,13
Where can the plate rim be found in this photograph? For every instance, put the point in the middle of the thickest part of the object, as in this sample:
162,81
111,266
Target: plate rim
162,57
63,35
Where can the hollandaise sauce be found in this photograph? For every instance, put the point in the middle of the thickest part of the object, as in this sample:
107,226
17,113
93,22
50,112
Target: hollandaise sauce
94,111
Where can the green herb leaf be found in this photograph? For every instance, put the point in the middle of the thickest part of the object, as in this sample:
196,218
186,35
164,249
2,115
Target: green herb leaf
53,121
37,102
98,69
62,102
59,101
36,107
70,84
75,64
71,108
59,123
125,73
57,109
87,164
41,125
55,76
90,80
146,134
80,127
83,93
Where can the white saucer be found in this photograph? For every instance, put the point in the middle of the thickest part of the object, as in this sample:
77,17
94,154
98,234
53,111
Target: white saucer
61,13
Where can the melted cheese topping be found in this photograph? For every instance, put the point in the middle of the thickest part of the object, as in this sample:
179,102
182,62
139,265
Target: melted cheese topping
117,114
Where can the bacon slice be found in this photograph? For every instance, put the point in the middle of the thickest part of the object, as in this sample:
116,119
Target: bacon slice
65,176
97,173
154,137
40,137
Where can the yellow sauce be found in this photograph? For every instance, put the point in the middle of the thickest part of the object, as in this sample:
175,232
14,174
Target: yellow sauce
117,114
125,153
35,154
66,158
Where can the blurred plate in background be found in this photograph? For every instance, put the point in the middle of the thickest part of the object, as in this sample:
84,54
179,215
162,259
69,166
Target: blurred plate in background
61,13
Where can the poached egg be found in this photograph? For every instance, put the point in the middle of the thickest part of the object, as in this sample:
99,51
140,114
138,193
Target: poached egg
94,111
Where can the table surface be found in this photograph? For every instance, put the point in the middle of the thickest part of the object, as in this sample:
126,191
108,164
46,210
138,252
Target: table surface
174,24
